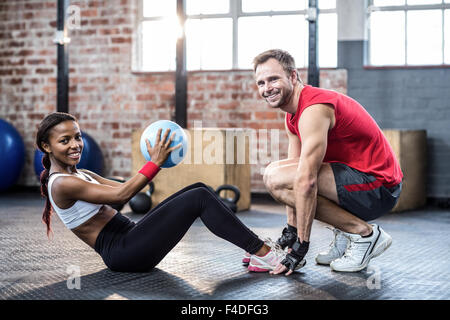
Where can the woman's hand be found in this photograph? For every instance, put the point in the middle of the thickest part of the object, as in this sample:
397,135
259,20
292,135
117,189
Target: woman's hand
161,151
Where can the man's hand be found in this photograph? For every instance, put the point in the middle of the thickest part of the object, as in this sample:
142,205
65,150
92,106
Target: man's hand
294,259
280,268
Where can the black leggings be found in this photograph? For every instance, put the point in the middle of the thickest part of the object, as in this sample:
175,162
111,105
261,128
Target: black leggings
138,247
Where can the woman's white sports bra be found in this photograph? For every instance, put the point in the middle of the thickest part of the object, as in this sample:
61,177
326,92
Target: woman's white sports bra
81,211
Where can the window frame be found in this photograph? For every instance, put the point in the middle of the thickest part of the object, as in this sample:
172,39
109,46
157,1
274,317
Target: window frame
372,8
235,13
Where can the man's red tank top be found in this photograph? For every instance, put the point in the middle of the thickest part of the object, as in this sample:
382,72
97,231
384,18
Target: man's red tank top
355,140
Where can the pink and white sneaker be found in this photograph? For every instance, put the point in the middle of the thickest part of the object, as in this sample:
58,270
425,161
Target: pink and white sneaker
246,259
269,261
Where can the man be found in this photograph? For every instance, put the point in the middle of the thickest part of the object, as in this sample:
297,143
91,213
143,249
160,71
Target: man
340,170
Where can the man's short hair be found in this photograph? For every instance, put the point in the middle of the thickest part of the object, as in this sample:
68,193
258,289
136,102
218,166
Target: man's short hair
283,57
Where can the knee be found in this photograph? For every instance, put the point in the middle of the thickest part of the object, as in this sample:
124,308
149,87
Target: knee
198,185
269,179
203,188
200,192
272,174
266,177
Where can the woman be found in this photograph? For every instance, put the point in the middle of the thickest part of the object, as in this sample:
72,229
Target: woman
82,200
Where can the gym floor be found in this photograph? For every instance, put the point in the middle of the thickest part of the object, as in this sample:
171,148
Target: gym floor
202,266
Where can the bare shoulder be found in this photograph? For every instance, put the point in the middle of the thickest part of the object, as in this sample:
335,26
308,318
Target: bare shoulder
318,110
318,114
66,184
89,173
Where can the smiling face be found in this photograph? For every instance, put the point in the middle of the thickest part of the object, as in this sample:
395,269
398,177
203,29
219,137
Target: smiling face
274,84
65,144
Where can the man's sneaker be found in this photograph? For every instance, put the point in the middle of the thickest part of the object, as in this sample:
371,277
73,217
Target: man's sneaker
269,261
246,259
287,238
360,250
336,249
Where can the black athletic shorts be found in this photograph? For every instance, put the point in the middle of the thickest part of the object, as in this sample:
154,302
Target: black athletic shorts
360,193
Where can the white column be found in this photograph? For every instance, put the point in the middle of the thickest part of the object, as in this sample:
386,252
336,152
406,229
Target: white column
351,19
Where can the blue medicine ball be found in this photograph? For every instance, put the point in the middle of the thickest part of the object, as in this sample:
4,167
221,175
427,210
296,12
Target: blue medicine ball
175,156
12,155
91,157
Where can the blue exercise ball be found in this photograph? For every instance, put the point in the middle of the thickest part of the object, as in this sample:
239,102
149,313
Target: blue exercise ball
150,132
91,157
38,167
12,155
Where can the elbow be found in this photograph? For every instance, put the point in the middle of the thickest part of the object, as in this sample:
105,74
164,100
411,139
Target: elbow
119,201
122,197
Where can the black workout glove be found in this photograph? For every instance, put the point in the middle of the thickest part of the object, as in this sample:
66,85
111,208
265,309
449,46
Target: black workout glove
295,257
288,237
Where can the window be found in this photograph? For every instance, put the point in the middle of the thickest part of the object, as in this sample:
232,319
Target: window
159,28
260,33
409,32
208,43
228,34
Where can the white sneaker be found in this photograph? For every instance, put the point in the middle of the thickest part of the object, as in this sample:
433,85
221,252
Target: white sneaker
360,250
269,261
336,249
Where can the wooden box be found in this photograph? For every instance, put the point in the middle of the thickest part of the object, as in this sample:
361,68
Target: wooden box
410,147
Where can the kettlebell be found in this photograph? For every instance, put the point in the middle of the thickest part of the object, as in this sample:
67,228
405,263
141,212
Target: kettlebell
151,189
142,202
230,202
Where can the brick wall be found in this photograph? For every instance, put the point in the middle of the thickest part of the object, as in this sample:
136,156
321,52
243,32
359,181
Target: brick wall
110,100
